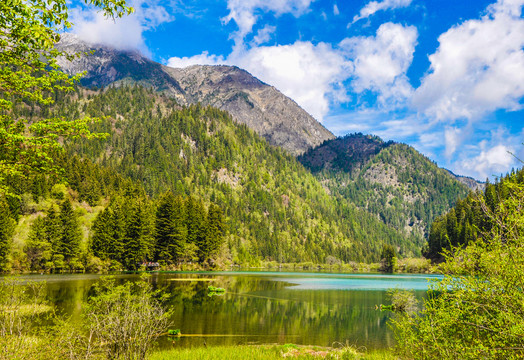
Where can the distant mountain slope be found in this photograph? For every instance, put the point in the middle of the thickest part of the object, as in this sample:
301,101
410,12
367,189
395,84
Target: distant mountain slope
261,107
275,208
393,181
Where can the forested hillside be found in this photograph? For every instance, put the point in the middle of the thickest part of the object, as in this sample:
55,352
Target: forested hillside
471,218
403,188
273,207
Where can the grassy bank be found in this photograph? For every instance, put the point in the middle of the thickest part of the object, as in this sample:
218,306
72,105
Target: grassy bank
270,352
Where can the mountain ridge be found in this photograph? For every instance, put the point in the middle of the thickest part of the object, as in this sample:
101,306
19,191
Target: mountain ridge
274,116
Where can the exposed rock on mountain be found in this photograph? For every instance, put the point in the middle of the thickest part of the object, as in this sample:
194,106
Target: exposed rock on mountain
395,182
250,101
469,181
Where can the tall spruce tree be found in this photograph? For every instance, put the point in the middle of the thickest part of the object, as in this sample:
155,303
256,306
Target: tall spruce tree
70,235
170,229
214,232
195,222
102,238
136,239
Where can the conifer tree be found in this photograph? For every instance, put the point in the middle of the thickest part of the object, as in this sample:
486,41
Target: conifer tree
116,248
6,232
214,232
170,230
102,234
136,241
70,235
195,222
38,249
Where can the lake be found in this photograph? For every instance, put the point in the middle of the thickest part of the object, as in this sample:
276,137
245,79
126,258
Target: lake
263,307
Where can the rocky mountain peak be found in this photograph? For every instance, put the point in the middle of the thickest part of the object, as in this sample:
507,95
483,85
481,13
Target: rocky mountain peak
280,120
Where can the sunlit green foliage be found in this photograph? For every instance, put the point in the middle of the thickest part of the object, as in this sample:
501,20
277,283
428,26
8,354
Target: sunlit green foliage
29,31
273,208
476,312
393,181
468,220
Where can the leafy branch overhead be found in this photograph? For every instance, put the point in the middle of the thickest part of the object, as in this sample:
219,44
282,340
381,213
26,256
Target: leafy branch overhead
29,73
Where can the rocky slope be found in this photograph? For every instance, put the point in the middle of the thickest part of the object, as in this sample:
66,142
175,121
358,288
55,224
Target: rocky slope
250,101
393,181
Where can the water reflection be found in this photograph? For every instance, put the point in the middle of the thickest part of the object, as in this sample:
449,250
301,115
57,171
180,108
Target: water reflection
315,309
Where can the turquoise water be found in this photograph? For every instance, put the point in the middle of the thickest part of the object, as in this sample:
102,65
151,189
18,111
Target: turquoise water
263,307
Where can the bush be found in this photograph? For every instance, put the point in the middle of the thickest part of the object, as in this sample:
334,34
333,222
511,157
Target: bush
477,311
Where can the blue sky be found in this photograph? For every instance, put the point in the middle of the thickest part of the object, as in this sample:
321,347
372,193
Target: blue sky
445,76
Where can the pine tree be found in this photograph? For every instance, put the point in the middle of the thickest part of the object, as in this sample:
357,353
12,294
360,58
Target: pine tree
6,232
136,239
70,234
195,223
116,248
214,232
170,230
102,234
38,249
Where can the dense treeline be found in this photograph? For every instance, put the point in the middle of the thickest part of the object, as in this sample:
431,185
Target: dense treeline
274,209
402,187
468,220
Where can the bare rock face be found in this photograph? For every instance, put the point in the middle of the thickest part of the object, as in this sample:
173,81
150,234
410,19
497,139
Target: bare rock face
263,108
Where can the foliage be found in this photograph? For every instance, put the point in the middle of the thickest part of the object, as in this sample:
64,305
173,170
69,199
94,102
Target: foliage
126,319
388,258
272,207
393,181
29,31
468,220
21,303
7,225
402,301
476,312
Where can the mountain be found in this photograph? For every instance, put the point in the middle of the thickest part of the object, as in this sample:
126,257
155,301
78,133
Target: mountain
263,108
473,184
393,181
274,208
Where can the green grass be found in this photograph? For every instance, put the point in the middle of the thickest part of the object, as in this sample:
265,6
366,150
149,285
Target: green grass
270,352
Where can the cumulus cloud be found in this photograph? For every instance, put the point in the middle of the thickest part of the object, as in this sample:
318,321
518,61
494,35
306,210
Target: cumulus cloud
477,68
335,10
491,161
245,12
374,6
313,75
123,34
309,74
380,62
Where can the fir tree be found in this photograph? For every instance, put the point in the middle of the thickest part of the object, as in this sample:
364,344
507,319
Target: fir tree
69,241
214,232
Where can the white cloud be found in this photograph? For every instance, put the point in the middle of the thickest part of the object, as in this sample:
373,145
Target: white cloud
380,62
453,138
244,12
491,161
202,59
374,6
123,34
335,10
478,67
264,35
313,75
305,72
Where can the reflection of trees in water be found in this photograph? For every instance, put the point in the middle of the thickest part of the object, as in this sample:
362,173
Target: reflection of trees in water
254,306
